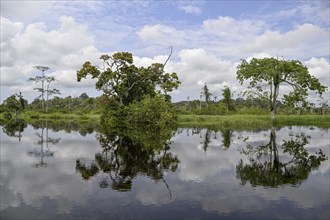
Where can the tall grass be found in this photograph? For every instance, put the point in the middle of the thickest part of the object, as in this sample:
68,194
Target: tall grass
32,115
252,121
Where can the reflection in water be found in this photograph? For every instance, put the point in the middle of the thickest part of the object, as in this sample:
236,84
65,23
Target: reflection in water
226,138
43,139
126,155
266,169
14,128
199,167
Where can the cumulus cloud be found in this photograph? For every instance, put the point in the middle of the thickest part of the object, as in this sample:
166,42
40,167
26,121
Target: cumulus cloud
306,37
205,52
160,34
197,67
64,50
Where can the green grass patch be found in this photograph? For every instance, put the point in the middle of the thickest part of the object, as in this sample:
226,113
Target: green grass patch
32,115
243,122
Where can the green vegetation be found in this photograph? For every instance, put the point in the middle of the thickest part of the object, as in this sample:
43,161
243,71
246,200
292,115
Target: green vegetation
132,96
274,72
242,122
135,97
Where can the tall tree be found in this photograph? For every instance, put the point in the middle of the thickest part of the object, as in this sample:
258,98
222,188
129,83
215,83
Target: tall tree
206,93
274,72
227,98
50,91
41,79
127,83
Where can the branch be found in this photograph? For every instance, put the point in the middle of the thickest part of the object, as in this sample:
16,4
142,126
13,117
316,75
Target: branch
294,86
168,58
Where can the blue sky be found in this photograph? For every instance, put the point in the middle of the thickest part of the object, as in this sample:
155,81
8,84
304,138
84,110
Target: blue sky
208,37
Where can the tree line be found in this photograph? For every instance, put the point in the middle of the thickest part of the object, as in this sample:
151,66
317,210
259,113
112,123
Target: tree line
141,94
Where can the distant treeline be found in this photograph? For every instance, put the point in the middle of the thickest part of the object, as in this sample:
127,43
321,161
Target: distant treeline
244,106
84,104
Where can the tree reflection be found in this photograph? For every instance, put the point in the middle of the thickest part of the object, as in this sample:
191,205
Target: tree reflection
266,169
226,138
14,128
43,141
126,154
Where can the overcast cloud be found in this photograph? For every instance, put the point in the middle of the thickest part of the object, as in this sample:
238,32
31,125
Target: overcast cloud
209,39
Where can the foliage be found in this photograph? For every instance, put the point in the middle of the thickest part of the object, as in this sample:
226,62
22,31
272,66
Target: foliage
44,79
272,72
15,103
248,122
132,95
206,93
227,98
154,111
126,82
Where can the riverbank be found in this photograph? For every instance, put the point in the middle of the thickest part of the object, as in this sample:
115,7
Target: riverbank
215,121
252,121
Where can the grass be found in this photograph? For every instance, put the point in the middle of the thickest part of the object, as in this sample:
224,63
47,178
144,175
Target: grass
237,122
252,121
31,115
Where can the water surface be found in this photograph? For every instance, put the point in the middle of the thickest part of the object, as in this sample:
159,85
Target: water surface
80,173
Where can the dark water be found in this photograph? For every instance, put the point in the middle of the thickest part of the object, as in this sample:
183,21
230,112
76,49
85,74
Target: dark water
79,173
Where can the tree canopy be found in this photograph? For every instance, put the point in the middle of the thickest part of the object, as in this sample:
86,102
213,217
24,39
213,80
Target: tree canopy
274,72
121,79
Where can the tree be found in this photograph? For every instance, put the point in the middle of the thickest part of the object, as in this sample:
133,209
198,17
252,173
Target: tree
126,82
206,93
227,98
49,91
15,103
44,79
274,72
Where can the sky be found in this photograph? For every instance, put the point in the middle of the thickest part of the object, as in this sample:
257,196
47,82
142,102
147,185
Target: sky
209,39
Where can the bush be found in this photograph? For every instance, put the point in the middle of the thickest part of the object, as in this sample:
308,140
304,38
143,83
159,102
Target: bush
150,110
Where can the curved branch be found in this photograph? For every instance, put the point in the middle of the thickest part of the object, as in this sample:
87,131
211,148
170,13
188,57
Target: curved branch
168,57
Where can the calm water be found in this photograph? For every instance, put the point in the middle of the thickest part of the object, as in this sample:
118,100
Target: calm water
79,173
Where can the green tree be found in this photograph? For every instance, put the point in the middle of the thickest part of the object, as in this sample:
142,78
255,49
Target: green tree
41,79
206,93
127,83
15,103
275,72
227,98
50,91
44,79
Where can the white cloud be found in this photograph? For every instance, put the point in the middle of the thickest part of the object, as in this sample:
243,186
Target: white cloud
64,50
304,38
206,51
230,27
190,9
197,67
160,34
